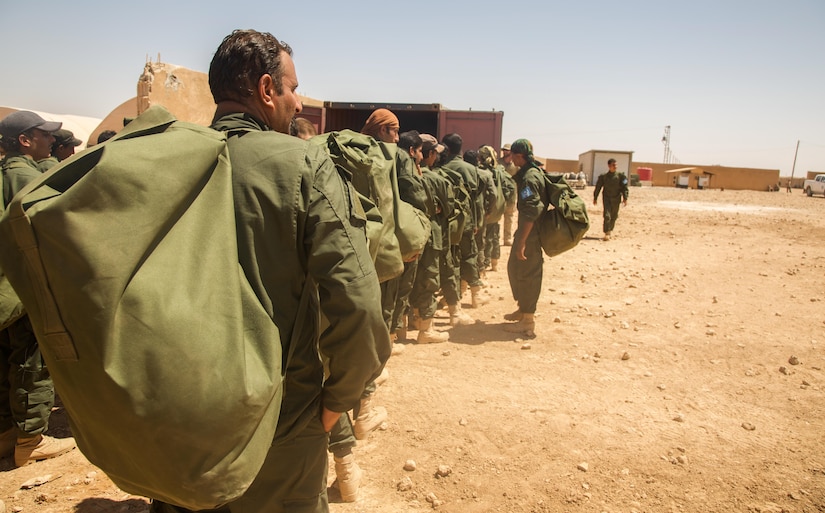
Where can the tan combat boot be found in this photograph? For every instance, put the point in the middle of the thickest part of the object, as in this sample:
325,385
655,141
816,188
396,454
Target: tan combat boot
369,418
349,475
606,236
458,317
480,298
427,335
383,377
494,264
525,326
464,286
40,447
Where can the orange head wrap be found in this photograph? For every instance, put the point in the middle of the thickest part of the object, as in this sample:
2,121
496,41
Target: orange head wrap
379,118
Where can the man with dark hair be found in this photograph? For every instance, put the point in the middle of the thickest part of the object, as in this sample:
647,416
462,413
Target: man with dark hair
296,229
524,267
468,249
64,144
302,128
105,136
615,192
26,388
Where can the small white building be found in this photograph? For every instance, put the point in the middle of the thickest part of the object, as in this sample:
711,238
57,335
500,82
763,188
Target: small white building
594,163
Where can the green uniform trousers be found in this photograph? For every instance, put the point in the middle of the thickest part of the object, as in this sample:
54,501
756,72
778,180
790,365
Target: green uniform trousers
469,259
448,275
611,211
427,283
402,303
26,388
341,436
492,243
525,275
293,478
481,242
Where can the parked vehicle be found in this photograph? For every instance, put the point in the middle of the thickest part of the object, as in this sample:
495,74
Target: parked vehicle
815,186
576,181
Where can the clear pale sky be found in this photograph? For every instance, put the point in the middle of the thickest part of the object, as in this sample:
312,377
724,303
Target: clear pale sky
738,81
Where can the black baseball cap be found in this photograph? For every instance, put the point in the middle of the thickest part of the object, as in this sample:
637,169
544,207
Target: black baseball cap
18,122
65,137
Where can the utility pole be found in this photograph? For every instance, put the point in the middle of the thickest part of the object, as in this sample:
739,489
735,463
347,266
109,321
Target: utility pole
666,142
794,159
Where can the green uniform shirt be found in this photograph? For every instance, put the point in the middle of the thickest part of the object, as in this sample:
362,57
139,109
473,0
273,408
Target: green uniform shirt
295,218
47,163
532,195
18,170
614,184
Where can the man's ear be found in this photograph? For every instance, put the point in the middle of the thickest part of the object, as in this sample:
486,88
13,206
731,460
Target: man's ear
266,89
24,140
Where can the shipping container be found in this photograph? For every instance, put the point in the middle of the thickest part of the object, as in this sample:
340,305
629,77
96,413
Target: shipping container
476,128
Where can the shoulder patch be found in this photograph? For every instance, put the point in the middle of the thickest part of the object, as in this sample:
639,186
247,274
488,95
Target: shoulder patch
526,193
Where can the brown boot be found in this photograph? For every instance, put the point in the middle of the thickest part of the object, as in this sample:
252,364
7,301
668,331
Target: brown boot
427,335
349,475
526,326
369,418
480,298
458,317
40,447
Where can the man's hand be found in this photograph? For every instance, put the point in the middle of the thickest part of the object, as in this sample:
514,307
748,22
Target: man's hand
520,250
329,419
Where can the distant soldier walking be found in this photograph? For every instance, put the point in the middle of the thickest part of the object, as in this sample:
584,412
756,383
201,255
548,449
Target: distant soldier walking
615,191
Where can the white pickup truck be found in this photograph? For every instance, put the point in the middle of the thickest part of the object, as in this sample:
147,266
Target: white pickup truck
815,186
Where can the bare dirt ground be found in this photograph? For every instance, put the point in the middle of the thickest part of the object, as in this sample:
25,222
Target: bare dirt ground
676,368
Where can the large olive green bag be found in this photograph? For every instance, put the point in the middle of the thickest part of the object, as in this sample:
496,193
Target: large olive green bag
564,225
370,163
126,260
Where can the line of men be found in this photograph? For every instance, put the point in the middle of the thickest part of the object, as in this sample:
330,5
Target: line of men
280,184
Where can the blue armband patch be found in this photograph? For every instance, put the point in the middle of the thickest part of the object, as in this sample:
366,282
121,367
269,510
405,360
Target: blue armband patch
526,193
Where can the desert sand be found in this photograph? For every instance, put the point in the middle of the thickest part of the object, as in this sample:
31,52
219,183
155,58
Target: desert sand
676,368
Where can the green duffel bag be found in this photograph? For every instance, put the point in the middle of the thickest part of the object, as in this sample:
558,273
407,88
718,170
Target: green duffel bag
412,230
370,166
562,227
412,227
126,260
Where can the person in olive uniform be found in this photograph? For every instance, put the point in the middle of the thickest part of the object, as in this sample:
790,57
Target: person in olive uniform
468,249
64,146
615,192
505,186
524,266
427,282
297,226
510,208
26,388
